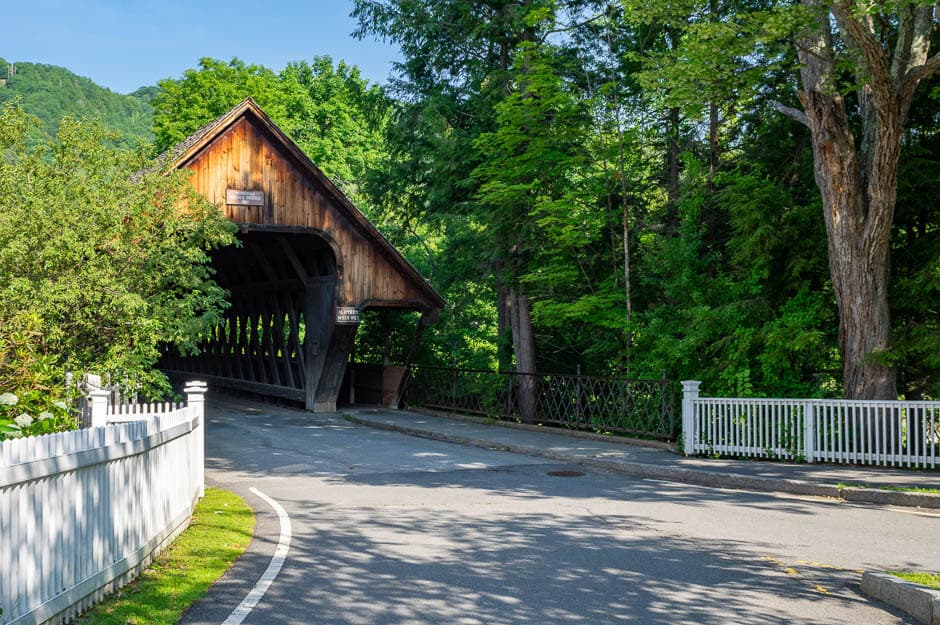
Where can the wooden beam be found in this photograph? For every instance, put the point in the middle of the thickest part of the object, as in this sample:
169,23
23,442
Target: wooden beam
270,390
334,367
281,342
267,324
261,258
319,310
294,311
294,260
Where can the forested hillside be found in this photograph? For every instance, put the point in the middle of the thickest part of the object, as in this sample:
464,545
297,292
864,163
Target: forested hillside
50,93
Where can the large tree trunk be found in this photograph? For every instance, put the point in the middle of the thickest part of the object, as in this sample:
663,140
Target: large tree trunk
858,254
524,347
858,182
673,148
503,324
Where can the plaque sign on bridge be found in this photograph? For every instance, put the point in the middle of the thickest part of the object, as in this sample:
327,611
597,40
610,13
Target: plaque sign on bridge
239,197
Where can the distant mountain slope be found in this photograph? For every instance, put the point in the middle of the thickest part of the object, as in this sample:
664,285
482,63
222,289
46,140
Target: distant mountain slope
51,92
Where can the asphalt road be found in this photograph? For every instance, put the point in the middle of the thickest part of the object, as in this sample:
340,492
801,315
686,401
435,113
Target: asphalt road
394,530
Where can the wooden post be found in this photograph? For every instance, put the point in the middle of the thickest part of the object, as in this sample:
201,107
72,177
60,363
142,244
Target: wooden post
319,323
334,367
352,386
809,431
98,399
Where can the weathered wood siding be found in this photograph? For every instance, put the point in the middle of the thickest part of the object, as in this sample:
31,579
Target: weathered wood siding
244,157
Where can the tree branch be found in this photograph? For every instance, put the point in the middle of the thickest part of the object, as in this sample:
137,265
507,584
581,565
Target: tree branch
792,113
920,72
861,39
902,48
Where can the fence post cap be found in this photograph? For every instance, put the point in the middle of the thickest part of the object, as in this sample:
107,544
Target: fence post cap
196,386
92,380
99,393
691,385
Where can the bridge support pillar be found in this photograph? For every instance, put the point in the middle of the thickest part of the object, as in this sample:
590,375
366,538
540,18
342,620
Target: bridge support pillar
318,333
334,368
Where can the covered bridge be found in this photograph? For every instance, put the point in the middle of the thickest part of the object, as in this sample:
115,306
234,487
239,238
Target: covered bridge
310,263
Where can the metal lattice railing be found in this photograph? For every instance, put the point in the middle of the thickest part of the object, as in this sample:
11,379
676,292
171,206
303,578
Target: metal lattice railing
627,406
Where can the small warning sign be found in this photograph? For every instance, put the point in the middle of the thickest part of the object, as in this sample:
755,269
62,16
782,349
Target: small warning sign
347,315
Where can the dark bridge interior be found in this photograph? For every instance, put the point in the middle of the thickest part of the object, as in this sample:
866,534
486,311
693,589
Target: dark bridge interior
278,330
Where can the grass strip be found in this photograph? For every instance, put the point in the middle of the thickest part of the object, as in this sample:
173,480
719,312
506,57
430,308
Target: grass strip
931,580
221,528
901,489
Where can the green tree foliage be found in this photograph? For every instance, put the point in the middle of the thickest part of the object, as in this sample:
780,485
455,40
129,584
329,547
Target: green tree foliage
183,105
51,93
625,166
99,265
683,195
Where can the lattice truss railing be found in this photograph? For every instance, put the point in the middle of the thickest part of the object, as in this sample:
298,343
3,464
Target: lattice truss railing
259,340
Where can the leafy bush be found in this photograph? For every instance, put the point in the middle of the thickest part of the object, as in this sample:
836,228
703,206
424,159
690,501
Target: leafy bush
102,262
33,414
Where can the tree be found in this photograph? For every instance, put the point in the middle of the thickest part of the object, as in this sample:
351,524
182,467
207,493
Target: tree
184,105
859,66
461,61
102,262
531,163
856,167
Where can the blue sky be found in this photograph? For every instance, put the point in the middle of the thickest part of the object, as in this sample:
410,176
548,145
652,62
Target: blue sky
125,45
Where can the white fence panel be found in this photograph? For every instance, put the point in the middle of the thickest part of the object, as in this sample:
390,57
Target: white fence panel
83,512
883,433
764,428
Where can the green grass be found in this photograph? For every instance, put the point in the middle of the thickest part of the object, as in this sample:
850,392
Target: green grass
931,580
220,531
904,489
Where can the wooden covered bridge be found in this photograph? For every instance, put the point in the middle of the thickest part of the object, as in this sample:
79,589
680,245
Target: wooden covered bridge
309,265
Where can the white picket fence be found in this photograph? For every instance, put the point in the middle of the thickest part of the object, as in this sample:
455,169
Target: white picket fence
82,513
884,433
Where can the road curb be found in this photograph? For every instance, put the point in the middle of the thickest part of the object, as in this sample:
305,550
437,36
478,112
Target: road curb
922,603
891,498
734,481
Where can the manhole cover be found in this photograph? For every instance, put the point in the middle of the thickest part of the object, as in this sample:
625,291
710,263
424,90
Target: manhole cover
566,473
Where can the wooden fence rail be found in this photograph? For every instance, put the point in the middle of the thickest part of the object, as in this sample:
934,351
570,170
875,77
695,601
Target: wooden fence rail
83,512
884,433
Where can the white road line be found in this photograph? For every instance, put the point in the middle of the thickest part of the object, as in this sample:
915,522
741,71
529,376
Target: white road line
274,567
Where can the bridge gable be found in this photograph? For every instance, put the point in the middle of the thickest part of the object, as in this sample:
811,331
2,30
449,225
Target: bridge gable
244,151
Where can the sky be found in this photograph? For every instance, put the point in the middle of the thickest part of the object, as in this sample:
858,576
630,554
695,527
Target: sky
126,45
